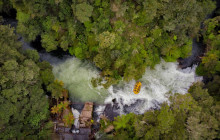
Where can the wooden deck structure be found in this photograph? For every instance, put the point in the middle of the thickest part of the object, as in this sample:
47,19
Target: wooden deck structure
85,122
85,117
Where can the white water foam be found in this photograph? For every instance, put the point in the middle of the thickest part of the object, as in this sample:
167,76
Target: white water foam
99,111
157,85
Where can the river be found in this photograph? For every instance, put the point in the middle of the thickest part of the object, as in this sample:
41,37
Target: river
157,84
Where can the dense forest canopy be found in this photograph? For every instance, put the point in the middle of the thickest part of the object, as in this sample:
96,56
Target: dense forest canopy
113,33
25,84
21,113
210,66
121,38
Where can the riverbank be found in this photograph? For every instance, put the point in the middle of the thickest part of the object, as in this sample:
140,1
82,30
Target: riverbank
77,76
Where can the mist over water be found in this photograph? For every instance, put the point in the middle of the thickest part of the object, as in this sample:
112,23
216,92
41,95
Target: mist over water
157,84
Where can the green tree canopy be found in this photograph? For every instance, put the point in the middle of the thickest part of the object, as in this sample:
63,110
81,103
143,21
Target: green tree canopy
23,104
113,33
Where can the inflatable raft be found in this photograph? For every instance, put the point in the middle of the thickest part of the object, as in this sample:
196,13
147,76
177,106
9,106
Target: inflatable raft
137,88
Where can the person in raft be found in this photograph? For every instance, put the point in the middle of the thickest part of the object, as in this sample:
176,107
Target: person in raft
137,87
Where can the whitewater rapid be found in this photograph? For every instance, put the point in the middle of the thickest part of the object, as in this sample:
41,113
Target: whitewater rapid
157,85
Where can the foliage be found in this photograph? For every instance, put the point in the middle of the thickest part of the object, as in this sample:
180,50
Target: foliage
83,11
63,108
113,33
210,66
165,119
213,87
124,125
104,122
68,119
5,6
23,104
202,124
56,88
210,62
122,38
57,109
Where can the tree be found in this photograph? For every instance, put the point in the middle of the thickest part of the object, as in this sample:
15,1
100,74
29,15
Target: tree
165,119
23,104
46,73
202,126
111,33
124,124
83,11
56,88
213,87
5,6
201,96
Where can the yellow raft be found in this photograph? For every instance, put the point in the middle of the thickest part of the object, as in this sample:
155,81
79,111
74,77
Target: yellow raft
137,88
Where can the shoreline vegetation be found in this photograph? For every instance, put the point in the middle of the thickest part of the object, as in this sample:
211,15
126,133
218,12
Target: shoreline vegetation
109,34
112,33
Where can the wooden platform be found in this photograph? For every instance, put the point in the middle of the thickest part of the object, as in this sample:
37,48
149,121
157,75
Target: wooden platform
86,115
